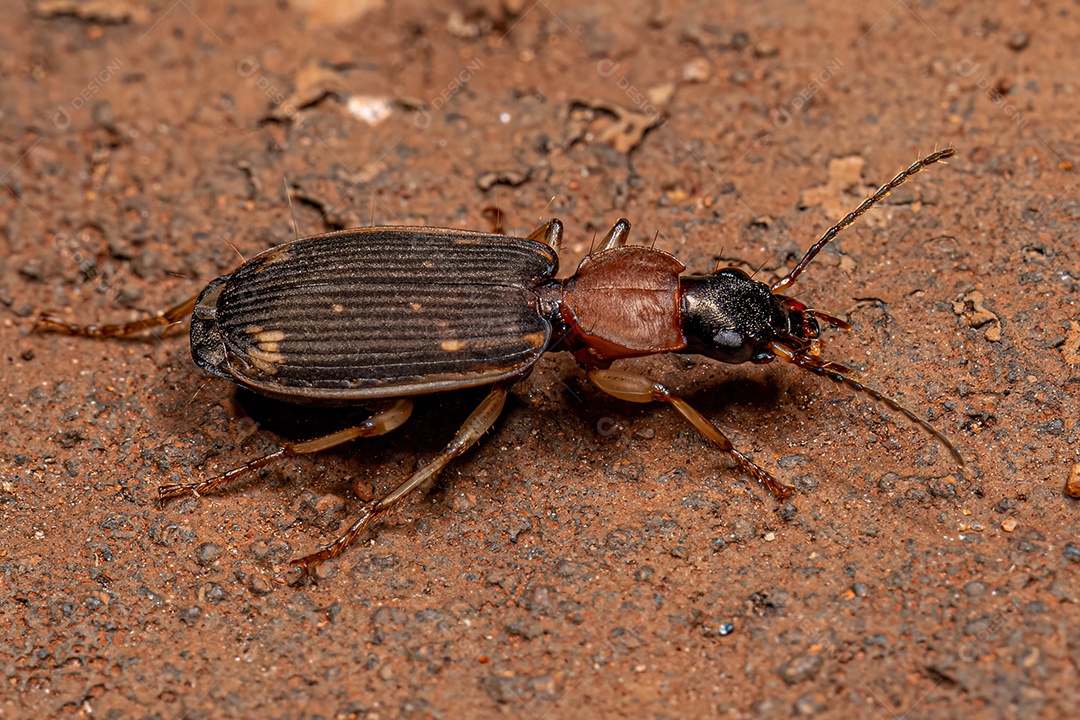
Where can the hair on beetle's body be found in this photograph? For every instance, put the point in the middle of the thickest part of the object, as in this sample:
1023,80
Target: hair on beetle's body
381,314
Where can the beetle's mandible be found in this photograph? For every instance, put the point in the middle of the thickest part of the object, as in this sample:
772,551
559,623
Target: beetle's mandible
386,313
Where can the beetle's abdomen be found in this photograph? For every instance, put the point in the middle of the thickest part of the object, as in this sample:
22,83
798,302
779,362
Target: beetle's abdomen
384,311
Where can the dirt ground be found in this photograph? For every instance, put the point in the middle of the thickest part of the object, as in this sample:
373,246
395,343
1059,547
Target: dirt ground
591,557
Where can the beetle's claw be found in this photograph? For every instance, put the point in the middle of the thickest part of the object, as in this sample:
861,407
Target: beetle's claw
783,491
171,492
43,323
304,571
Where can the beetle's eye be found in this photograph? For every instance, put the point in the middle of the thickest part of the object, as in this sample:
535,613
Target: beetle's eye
728,340
733,272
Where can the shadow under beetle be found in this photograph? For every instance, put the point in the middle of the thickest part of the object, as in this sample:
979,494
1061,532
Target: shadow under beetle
384,313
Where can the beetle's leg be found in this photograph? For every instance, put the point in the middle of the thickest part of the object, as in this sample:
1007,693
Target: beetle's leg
617,235
638,388
478,423
51,323
380,423
846,376
550,233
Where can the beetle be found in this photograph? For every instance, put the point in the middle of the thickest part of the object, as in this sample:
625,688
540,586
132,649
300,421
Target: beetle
386,313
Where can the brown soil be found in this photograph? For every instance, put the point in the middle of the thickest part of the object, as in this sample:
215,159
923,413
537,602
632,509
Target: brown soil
591,558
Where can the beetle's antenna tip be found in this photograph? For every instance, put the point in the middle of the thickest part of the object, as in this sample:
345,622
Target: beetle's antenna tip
882,192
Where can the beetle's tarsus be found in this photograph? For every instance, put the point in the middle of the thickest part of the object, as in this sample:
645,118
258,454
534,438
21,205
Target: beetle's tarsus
171,492
47,322
304,575
372,512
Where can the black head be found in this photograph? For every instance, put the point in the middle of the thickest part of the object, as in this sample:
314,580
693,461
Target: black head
730,317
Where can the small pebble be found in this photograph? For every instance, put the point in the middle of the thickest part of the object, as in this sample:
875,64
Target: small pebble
1018,41
975,589
212,593
191,615
697,70
809,705
744,530
800,669
258,585
1009,524
1072,485
207,553
717,628
323,511
765,50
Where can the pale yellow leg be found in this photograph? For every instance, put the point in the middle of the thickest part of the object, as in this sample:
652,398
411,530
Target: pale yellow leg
380,423
478,423
634,387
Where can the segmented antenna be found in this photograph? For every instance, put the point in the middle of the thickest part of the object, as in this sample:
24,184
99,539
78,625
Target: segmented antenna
789,279
846,376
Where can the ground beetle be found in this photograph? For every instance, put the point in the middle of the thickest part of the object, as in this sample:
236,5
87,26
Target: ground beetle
384,313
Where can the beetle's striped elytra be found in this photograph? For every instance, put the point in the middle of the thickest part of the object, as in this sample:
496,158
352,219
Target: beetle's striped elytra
386,313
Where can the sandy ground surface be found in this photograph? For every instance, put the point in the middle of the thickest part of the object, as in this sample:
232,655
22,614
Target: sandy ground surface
590,558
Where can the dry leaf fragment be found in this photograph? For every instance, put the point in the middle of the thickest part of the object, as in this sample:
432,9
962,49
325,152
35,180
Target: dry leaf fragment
1072,485
970,307
100,11
1071,349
